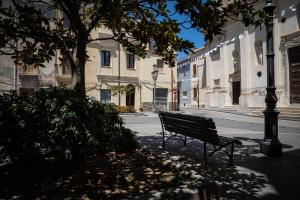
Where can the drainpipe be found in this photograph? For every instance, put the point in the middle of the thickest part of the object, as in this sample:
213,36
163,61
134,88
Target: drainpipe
16,69
172,89
16,77
198,93
141,106
178,94
119,73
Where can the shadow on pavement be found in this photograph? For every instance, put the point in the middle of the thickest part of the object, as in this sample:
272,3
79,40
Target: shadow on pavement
282,172
253,176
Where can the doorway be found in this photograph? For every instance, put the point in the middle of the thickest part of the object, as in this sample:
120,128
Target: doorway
161,98
294,72
130,97
236,92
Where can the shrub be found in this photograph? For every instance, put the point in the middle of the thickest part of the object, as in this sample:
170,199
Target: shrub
122,109
126,109
58,126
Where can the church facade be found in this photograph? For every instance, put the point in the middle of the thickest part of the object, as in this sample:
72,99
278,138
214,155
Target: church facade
235,62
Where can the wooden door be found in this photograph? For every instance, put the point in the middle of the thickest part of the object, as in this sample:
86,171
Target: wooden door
236,92
294,69
130,98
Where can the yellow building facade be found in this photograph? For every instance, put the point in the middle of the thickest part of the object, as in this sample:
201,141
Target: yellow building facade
111,66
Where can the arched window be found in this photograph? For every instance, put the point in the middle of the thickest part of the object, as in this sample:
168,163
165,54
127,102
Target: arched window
235,56
259,52
194,70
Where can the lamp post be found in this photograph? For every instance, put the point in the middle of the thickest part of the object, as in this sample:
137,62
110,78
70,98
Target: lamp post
154,74
271,144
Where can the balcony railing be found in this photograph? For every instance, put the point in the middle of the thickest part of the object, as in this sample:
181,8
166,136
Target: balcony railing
63,74
29,77
29,71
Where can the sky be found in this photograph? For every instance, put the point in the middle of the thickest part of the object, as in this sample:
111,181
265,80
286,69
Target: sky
193,36
189,34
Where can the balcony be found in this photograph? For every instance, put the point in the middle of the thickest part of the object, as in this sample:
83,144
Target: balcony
29,77
29,70
63,74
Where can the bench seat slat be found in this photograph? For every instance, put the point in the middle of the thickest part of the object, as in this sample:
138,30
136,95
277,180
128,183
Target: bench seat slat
189,133
207,122
196,132
190,125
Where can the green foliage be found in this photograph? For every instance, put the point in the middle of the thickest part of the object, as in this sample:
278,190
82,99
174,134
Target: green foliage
58,126
210,16
119,89
133,24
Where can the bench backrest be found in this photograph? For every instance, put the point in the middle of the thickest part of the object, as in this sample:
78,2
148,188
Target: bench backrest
193,126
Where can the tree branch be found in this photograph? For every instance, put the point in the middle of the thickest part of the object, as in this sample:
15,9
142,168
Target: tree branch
100,39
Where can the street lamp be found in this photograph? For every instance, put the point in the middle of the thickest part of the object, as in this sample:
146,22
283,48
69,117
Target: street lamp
154,74
271,144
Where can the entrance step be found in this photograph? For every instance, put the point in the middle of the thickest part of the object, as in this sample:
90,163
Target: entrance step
292,112
228,108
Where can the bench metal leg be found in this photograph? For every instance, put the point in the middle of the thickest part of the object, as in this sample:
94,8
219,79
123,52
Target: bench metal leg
163,142
205,155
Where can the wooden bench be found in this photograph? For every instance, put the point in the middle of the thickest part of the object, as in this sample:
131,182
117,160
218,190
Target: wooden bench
197,127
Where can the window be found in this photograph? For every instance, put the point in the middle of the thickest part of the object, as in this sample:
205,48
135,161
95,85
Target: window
217,83
184,95
160,65
215,54
130,61
194,70
66,22
258,44
152,45
161,95
105,96
105,58
45,9
184,71
65,66
195,93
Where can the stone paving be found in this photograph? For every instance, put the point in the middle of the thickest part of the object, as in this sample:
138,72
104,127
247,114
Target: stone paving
254,175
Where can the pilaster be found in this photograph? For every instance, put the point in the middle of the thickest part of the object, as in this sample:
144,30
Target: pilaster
245,68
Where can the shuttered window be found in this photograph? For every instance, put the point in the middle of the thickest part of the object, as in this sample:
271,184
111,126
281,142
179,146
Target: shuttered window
105,96
130,61
105,58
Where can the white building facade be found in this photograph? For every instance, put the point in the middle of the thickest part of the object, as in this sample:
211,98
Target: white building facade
235,69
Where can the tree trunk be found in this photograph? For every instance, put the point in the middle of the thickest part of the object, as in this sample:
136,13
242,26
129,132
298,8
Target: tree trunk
78,71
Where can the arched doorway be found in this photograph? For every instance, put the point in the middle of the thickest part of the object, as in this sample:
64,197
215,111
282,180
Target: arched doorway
294,69
130,97
235,78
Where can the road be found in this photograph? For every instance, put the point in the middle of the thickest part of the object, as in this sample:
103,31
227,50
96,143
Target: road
231,125
254,176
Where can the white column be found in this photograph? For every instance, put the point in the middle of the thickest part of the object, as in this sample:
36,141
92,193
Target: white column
226,84
209,81
245,68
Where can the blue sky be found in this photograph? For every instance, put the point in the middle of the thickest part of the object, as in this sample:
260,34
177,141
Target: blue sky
189,34
193,36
